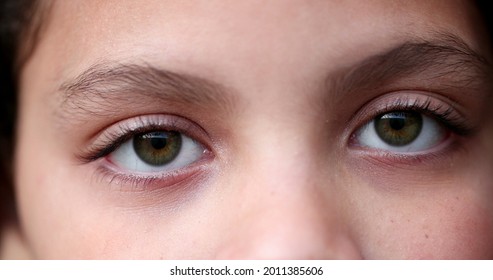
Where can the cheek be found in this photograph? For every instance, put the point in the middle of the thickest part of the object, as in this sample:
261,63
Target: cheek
50,209
443,226
444,213
462,230
59,214
65,216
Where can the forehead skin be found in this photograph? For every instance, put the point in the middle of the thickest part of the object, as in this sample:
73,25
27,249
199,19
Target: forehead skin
275,55
181,35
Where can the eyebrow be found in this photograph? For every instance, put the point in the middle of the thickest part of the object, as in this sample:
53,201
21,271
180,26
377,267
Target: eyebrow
446,58
103,87
109,83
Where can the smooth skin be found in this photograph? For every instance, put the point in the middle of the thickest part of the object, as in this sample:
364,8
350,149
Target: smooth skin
281,177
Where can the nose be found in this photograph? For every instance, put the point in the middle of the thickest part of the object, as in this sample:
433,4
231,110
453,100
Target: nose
283,214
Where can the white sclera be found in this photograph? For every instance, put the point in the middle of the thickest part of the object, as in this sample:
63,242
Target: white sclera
126,158
431,134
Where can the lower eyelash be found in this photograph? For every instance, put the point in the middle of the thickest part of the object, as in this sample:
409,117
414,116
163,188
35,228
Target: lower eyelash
135,182
435,158
457,125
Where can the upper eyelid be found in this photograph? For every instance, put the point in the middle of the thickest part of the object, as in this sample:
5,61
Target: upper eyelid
410,98
112,137
107,88
406,99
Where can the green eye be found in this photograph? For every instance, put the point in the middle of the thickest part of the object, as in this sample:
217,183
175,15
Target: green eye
399,128
157,148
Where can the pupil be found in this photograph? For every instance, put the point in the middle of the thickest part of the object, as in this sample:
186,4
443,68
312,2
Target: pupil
397,123
158,142
157,148
399,128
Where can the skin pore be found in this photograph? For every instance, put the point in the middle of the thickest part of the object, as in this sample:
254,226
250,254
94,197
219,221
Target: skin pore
273,101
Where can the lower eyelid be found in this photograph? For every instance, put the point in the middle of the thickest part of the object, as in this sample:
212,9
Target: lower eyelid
168,191
448,140
110,174
440,157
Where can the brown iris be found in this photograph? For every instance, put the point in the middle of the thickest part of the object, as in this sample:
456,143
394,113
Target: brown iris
157,148
399,128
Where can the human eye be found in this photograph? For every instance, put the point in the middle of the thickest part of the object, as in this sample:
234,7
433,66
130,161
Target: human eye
411,125
156,151
148,149
402,131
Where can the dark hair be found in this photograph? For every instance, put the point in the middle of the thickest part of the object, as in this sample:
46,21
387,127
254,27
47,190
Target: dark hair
15,19
485,9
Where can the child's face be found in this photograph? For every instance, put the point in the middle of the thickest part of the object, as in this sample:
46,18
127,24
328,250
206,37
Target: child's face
172,129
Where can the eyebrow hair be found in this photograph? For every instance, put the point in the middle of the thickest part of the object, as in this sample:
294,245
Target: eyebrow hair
113,82
445,56
101,86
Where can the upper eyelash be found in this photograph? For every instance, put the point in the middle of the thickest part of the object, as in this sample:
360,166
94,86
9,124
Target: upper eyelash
445,116
113,140
105,149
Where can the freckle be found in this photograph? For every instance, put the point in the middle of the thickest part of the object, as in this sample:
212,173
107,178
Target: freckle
456,198
392,221
426,235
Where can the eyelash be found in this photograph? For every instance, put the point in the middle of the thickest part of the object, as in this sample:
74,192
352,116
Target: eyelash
112,139
125,132
446,115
